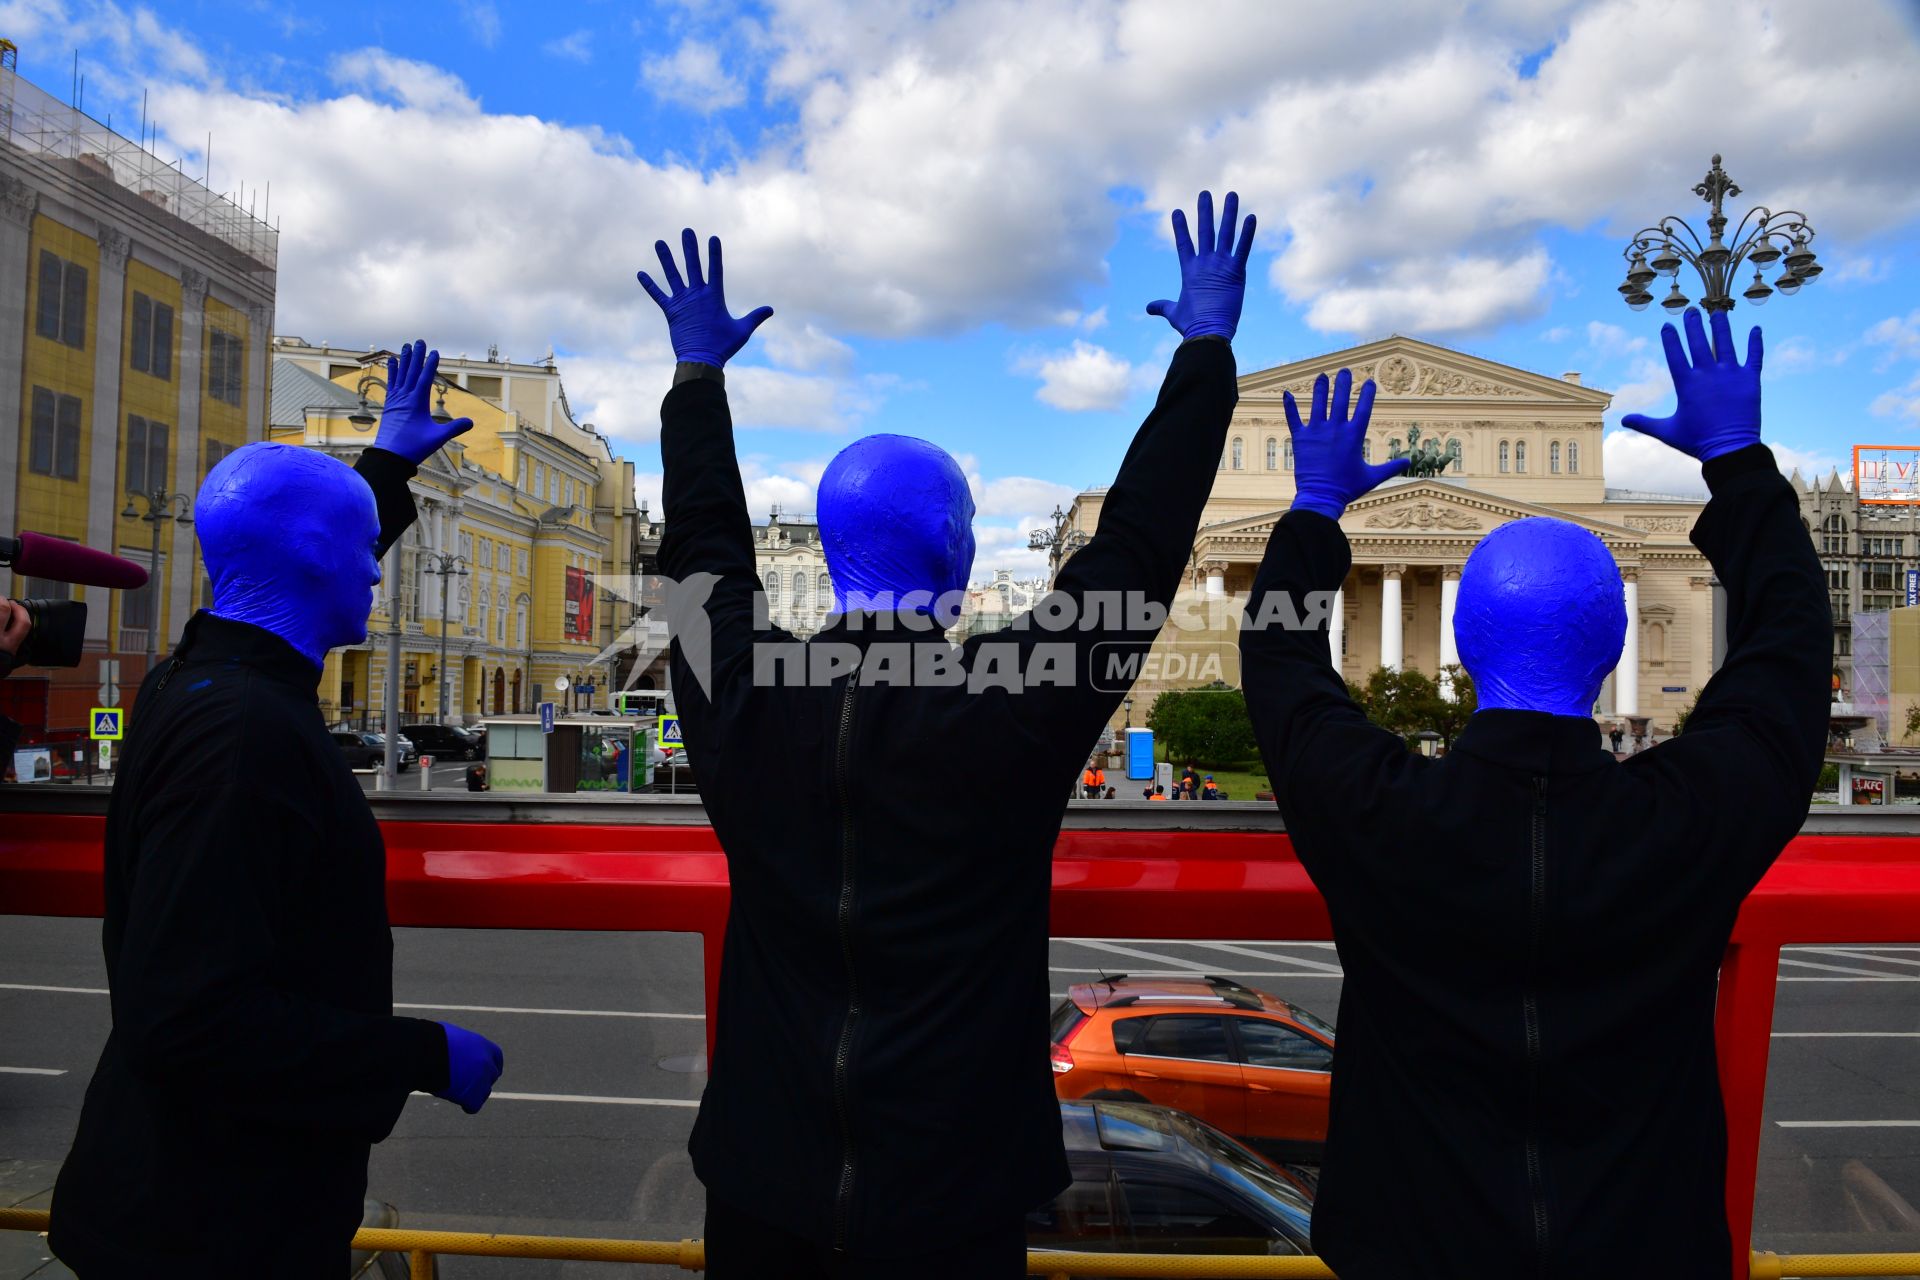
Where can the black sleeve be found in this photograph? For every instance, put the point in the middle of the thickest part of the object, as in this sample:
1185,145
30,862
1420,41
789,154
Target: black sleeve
1326,759
387,475
1136,557
1759,729
707,550
194,1001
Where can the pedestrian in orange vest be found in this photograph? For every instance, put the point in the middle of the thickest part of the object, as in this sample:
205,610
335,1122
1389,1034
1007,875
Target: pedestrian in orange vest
1093,781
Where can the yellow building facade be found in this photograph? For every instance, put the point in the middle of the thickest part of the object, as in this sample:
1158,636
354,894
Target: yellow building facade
529,514
135,308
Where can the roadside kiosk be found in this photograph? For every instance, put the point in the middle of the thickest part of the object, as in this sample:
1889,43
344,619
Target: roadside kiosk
582,754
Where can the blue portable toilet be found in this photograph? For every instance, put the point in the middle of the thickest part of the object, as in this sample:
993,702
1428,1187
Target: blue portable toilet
1139,754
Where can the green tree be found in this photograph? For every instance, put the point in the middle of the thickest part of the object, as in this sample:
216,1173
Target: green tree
1210,726
1409,702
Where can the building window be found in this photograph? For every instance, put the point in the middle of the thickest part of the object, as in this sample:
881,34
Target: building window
1238,449
1657,644
520,625
1503,457
45,589
1573,458
485,388
216,450
62,311
566,490
152,347
146,455
1520,456
53,447
1289,453
522,558
486,618
486,553
226,355
1273,454
826,590
799,589
773,587
1366,448
1553,458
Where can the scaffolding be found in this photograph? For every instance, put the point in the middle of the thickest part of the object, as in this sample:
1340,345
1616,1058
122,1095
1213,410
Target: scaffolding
35,123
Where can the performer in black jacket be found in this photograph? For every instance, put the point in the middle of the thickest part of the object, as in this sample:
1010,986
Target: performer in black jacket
1530,929
254,1055
880,1085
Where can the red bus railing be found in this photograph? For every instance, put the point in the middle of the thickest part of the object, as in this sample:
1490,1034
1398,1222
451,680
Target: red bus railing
1121,869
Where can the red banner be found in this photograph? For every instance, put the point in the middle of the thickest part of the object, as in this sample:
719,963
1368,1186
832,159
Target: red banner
579,606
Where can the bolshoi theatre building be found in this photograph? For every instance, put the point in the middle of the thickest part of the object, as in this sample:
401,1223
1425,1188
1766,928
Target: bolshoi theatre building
1500,444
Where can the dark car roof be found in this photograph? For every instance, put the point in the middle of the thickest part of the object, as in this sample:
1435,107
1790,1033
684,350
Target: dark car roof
1121,991
1165,1137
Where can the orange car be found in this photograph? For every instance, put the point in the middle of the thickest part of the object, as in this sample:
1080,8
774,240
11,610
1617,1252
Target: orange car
1239,1059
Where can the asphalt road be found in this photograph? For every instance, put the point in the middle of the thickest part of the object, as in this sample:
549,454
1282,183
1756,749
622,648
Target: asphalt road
602,1033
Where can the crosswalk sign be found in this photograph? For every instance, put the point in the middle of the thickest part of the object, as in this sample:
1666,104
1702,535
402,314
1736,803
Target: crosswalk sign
546,717
109,723
670,731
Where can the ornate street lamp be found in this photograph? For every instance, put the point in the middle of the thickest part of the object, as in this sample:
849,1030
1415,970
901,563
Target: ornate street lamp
161,506
1059,541
363,417
1783,237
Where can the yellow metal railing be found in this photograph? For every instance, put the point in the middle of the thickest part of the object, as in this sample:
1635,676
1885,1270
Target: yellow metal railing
422,1247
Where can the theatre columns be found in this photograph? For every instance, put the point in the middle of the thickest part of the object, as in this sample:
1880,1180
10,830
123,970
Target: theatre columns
1449,652
1392,624
1337,629
1626,678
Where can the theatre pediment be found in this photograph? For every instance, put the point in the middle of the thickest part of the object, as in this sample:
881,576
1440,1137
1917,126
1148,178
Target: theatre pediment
1409,369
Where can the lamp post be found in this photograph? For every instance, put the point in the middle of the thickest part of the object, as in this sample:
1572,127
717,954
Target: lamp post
443,564
1784,237
1127,702
363,417
1059,542
161,506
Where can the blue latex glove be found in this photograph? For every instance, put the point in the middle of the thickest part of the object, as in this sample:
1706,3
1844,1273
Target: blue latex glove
1719,398
406,422
697,318
1213,281
473,1064
1328,471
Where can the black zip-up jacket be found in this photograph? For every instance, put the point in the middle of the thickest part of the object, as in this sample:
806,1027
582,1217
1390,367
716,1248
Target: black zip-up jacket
254,1054
1531,931
880,1076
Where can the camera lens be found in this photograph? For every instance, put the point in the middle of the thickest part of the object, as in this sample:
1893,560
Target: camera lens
56,631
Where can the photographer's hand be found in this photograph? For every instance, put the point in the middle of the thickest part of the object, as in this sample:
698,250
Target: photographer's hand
14,625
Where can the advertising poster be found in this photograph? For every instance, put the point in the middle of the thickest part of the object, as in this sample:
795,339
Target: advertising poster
1887,474
579,606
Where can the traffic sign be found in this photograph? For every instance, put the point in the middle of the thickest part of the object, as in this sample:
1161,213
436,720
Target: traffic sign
670,732
109,722
110,681
546,717
106,755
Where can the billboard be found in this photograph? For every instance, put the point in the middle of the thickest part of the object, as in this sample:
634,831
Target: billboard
579,605
1887,474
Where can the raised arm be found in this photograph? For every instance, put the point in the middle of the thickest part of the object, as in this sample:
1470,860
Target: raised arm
1130,570
1311,734
407,437
1759,729
707,549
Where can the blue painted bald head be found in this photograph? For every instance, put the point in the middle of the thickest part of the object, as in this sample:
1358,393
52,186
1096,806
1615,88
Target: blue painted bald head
289,537
1540,618
896,520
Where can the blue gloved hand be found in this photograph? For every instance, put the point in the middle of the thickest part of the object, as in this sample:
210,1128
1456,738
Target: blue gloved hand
406,422
1719,398
1213,281
1328,471
697,318
473,1064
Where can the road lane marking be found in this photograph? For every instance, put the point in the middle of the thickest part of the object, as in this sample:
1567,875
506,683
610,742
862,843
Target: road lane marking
595,1100
1841,1035
1238,942
1848,1124
1235,949
1832,968
1092,975
1845,954
1890,978
32,1071
571,1013
1094,944
74,991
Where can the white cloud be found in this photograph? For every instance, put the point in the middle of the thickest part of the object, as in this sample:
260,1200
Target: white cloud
1022,496
1863,269
484,19
420,86
1900,335
1559,333
1810,463
804,346
1903,404
693,78
576,46
1610,340
1083,377
1635,461
1422,297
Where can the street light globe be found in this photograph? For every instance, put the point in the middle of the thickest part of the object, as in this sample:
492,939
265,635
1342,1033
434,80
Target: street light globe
1757,293
1676,301
1638,301
1788,284
1763,252
1666,262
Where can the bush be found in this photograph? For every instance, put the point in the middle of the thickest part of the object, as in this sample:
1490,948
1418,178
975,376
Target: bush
1408,702
1210,726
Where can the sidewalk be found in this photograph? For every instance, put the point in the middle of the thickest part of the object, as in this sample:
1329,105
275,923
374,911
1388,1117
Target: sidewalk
28,1184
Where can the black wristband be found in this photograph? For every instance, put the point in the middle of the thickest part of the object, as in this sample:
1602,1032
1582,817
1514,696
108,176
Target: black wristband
688,370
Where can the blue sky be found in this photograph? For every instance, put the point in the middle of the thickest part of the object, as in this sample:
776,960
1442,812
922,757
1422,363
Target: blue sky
959,212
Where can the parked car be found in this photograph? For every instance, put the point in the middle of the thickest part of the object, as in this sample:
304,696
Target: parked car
1244,1061
442,741
365,750
1149,1179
